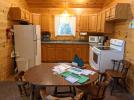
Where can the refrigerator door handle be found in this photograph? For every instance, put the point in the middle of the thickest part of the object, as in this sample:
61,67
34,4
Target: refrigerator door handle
36,48
35,35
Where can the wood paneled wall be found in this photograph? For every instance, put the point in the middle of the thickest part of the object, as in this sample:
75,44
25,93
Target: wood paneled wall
122,31
47,19
6,66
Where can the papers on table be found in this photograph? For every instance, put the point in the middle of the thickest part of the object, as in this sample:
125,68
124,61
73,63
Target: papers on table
61,68
75,70
87,72
73,74
71,79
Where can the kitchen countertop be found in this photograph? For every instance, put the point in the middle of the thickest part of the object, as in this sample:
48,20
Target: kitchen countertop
68,42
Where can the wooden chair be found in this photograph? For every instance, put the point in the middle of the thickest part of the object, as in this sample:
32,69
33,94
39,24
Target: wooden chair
71,91
119,72
20,83
46,96
96,91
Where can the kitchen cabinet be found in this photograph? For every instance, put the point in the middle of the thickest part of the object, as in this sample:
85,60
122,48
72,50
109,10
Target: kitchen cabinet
36,19
64,52
88,23
104,26
19,14
99,22
83,23
48,53
118,11
93,23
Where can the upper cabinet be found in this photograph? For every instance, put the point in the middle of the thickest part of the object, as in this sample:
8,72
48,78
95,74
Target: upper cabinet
88,23
36,19
19,14
117,12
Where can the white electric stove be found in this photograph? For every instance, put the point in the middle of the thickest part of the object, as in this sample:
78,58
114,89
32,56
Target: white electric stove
101,57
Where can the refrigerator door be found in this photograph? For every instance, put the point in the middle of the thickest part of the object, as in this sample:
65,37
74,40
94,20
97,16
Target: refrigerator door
37,32
24,44
37,47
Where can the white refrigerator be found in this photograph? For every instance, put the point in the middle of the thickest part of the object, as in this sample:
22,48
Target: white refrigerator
27,39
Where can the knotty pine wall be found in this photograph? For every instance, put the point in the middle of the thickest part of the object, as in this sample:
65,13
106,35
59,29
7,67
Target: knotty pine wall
6,66
47,19
122,31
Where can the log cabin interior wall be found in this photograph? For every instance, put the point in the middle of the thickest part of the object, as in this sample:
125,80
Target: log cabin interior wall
47,19
122,31
6,67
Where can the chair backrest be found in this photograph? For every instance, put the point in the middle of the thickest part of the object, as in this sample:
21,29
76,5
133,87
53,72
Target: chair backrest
102,85
19,76
125,66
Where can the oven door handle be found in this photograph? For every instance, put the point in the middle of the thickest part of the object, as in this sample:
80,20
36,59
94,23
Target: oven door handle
98,53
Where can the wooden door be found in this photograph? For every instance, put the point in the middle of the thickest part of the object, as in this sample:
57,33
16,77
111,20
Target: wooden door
60,53
45,22
83,23
43,53
99,22
36,19
93,23
102,22
85,53
69,53
112,12
107,14
23,15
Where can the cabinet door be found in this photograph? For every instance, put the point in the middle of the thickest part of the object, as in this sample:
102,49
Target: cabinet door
45,22
43,53
107,14
60,52
69,53
85,53
102,22
99,22
83,23
93,23
23,15
51,54
112,12
36,19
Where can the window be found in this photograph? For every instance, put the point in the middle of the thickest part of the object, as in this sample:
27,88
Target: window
65,25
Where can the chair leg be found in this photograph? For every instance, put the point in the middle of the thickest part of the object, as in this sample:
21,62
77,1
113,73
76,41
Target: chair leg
20,89
74,91
124,85
55,90
25,91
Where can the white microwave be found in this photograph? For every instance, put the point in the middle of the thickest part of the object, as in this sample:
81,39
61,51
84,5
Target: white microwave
93,39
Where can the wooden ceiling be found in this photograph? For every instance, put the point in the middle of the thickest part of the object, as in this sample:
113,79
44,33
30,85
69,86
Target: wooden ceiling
68,3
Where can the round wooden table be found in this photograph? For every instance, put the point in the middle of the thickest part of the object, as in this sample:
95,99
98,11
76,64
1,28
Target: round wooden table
42,75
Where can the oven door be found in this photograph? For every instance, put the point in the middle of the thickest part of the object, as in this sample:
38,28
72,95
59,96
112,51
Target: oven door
95,56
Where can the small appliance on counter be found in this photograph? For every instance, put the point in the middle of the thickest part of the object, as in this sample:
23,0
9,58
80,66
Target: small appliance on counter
45,36
94,39
97,39
101,40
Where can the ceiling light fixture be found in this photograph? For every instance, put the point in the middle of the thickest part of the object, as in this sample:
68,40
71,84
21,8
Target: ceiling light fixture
65,13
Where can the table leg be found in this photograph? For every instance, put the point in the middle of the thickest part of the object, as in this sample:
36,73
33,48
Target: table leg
32,92
74,91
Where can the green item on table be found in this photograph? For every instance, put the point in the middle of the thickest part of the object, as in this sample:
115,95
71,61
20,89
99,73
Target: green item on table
83,79
65,74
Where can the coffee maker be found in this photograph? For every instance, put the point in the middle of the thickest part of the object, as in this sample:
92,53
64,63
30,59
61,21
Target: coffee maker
101,40
45,36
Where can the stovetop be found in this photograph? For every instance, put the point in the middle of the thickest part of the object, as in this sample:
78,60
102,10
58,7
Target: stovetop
104,48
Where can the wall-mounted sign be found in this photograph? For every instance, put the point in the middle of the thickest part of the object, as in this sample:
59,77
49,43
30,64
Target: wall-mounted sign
131,24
